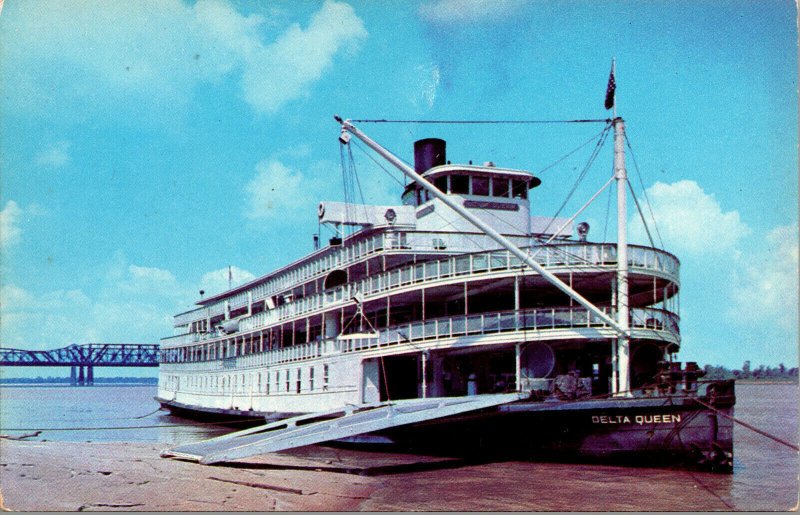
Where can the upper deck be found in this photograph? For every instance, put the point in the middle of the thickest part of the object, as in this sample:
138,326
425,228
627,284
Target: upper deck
422,228
392,238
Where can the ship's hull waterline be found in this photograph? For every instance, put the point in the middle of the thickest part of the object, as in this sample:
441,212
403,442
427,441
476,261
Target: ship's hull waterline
655,431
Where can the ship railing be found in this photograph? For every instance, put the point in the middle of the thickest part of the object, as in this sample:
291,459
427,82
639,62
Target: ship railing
565,255
540,319
552,256
573,255
179,339
427,241
509,321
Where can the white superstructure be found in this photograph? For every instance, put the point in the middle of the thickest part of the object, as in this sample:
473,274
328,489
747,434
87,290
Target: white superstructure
418,302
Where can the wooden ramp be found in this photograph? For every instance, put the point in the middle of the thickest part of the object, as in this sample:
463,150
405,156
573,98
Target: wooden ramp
332,425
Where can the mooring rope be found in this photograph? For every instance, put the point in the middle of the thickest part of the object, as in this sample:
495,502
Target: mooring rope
257,419
748,426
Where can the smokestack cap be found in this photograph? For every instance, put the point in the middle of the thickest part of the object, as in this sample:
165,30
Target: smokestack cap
429,152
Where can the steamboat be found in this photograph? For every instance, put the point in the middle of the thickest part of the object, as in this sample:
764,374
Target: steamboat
454,321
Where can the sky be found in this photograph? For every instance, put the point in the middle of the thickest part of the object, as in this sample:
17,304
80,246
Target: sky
149,146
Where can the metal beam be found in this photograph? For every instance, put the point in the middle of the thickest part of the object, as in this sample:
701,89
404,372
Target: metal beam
91,354
477,222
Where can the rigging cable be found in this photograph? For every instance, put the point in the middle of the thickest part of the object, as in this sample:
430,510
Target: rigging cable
572,151
395,179
557,248
641,183
641,215
583,173
485,122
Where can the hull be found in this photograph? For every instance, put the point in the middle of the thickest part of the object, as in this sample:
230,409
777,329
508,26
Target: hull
658,431
649,432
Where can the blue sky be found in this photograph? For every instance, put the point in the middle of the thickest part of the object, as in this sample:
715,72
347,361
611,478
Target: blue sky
147,146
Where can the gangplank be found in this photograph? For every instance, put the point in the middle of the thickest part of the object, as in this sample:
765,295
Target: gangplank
327,426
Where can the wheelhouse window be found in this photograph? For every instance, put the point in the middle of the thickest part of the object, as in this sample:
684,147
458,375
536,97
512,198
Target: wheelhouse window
499,187
519,189
441,183
480,186
459,184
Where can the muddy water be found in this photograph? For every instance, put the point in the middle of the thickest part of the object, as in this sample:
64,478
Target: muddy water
765,473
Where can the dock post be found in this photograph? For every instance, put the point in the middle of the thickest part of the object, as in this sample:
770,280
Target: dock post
90,375
73,376
80,376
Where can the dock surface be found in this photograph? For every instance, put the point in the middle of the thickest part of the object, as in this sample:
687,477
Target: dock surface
73,476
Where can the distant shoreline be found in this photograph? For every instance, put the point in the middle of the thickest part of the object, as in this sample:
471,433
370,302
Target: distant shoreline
58,385
765,382
98,381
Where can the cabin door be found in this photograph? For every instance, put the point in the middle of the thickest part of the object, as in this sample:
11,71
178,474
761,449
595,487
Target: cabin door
400,377
370,381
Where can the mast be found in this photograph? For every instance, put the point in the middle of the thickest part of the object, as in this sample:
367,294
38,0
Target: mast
622,353
348,127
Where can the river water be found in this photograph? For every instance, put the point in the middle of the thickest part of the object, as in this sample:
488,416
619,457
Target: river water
765,475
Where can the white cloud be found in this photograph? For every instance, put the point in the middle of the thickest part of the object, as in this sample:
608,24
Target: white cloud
131,304
282,194
283,71
149,280
98,56
49,319
469,11
278,192
55,155
128,304
9,224
765,282
217,281
689,220
429,79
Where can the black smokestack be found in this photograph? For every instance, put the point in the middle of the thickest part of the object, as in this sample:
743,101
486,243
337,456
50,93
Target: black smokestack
429,152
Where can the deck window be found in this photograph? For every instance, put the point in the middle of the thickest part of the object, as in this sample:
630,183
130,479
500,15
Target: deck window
480,186
519,189
425,195
499,187
441,183
459,184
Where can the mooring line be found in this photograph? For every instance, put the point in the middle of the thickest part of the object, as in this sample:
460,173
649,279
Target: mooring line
748,426
474,122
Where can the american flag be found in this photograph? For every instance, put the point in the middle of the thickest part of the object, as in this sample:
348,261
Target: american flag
612,86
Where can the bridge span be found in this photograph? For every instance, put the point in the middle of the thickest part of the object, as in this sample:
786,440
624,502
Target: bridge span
84,358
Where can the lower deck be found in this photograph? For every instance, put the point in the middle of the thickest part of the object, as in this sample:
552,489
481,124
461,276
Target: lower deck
686,427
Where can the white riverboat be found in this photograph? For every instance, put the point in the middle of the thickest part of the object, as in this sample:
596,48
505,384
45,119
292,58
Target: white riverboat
558,346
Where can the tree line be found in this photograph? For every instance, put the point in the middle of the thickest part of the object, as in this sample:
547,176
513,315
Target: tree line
747,372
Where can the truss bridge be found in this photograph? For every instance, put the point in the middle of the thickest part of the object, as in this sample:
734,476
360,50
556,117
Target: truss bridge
83,358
